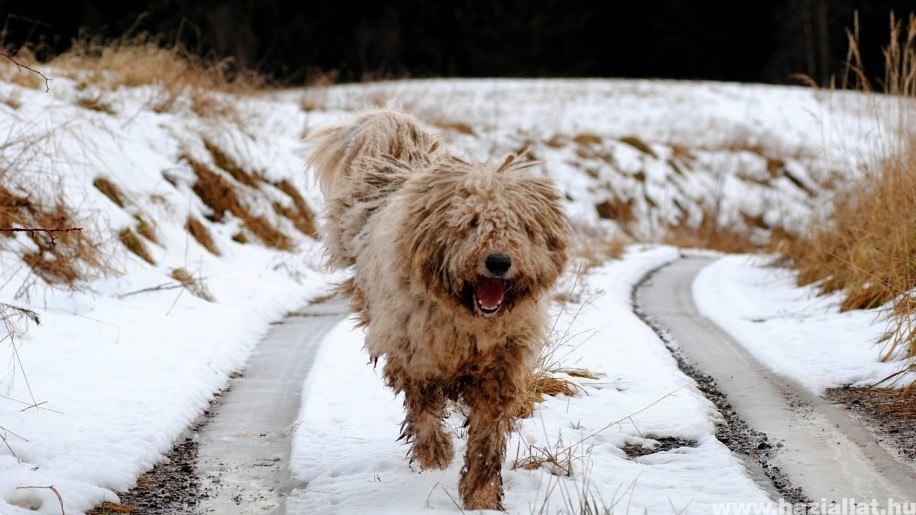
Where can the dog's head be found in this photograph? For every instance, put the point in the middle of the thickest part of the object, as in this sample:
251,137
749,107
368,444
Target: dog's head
483,238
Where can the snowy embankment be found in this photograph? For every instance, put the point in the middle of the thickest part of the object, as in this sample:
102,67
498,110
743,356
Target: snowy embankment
123,361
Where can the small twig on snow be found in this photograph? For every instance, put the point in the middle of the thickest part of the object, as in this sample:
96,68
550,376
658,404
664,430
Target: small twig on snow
7,443
29,68
51,487
29,313
159,287
49,232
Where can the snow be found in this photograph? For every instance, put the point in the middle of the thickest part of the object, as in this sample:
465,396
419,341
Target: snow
794,331
346,453
121,364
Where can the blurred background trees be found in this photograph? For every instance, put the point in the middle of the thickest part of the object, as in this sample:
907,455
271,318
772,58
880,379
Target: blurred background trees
760,41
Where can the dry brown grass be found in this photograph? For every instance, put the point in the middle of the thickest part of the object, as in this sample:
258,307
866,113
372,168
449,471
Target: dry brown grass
17,69
219,190
200,233
866,249
449,125
595,249
709,234
222,160
215,190
13,100
302,217
267,233
109,189
587,138
553,382
557,141
550,376
639,145
146,229
132,241
96,104
142,60
617,209
206,104
63,257
195,285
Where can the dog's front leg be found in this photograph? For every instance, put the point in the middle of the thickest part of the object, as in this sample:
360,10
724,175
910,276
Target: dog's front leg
492,402
424,401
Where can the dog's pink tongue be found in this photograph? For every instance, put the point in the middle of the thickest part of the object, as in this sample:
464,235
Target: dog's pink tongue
490,292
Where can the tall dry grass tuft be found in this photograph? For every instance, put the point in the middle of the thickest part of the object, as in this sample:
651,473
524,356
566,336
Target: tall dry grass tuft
142,60
866,249
60,253
709,234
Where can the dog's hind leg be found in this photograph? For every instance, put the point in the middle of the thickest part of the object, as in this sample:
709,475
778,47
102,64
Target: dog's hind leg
424,401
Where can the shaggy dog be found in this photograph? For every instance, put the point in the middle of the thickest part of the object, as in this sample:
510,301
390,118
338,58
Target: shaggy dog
451,264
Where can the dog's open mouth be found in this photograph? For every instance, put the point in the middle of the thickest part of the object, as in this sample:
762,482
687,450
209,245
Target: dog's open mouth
489,294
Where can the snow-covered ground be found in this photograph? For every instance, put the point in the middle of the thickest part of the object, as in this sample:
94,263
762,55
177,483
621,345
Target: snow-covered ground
794,331
345,447
120,365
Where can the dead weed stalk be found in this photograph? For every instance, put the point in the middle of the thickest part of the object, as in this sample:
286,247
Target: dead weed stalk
866,247
551,377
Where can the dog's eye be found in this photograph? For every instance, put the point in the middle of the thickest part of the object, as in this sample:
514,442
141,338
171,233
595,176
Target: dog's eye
474,222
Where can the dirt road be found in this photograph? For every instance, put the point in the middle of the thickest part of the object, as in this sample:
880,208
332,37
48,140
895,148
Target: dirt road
823,450
796,445
235,459
243,452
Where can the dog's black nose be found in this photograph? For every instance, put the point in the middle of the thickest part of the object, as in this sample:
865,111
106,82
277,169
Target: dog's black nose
498,263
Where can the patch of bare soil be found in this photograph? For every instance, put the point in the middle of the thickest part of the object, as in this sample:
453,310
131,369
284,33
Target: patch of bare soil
888,412
661,444
172,486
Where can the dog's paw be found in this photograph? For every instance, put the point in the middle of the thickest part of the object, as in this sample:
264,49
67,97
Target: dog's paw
479,493
486,498
433,450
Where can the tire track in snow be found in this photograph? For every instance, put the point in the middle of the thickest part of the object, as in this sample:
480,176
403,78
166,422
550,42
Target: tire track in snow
819,447
243,451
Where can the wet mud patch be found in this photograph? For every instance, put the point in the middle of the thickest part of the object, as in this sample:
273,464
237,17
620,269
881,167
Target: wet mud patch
748,443
653,445
888,412
172,486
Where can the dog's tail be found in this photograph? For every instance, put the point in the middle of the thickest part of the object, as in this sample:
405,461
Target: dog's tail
375,134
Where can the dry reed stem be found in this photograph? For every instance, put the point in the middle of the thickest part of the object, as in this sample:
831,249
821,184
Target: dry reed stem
866,249
51,487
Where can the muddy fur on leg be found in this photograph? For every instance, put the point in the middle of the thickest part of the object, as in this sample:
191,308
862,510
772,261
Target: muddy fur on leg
424,403
452,261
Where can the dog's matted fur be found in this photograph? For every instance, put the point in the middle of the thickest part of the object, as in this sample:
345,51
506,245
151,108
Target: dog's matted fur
452,261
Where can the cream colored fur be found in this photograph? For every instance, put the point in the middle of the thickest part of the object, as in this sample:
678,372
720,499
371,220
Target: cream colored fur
420,229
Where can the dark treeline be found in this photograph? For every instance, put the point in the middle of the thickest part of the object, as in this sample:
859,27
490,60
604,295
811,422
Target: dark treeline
763,41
